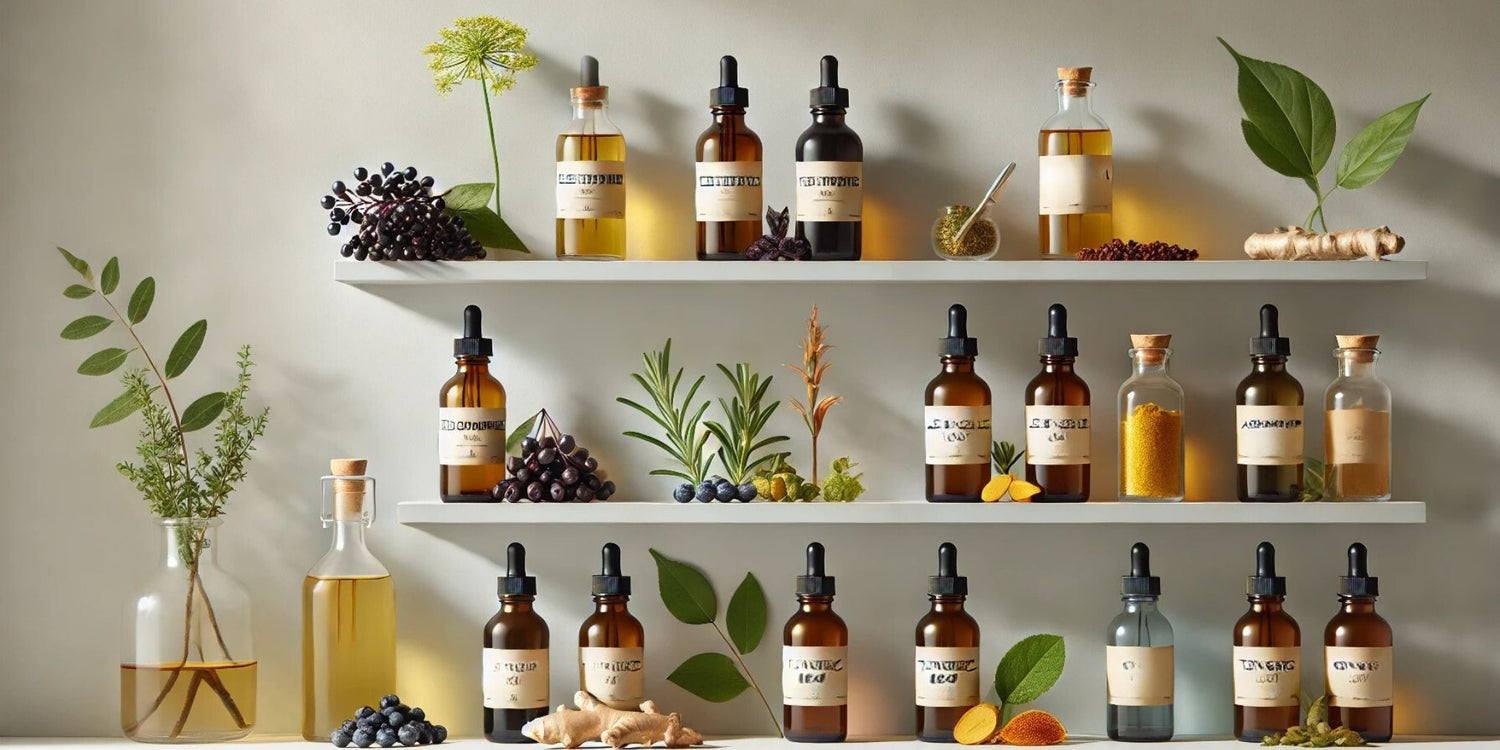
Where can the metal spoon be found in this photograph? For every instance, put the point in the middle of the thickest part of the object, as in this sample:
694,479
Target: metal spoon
984,205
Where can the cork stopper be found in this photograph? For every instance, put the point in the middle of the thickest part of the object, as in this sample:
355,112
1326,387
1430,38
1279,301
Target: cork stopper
1074,81
1151,348
1361,347
348,494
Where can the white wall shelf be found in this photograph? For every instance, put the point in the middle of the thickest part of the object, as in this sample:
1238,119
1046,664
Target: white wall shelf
369,273
420,512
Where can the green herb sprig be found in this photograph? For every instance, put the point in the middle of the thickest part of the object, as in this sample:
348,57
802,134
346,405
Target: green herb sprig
683,440
746,415
1005,455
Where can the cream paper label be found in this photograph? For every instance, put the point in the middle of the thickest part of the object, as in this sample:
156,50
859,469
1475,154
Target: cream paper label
728,191
1359,436
1057,435
470,436
616,676
957,434
1267,676
1139,675
814,675
947,677
591,190
1360,677
1268,435
830,190
515,678
1076,184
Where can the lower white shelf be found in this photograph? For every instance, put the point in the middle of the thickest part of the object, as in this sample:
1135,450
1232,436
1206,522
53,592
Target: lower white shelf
876,512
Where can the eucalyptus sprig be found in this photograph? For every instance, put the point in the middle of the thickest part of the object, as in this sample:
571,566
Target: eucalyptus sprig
683,438
739,440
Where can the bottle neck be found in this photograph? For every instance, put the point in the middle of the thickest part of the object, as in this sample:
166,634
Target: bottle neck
1357,605
1150,361
590,109
1057,363
1135,603
1265,603
349,535
810,604
472,363
610,603
728,115
516,603
953,363
1268,362
946,603
1073,96
828,115
187,540
1356,363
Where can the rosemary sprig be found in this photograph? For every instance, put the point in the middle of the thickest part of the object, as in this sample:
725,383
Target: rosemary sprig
683,439
739,439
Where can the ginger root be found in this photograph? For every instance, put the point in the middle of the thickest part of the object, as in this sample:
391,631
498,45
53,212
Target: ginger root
595,721
1296,243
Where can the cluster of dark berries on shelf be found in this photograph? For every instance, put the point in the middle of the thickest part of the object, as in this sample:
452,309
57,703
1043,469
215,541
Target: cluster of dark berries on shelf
1118,249
398,218
715,488
553,470
776,245
394,724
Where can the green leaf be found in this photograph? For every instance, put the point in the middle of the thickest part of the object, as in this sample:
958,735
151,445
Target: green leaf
489,229
77,291
710,676
1290,114
745,619
123,406
103,362
1371,153
513,440
685,591
141,299
109,278
203,412
1029,668
1268,154
186,348
78,264
468,196
85,327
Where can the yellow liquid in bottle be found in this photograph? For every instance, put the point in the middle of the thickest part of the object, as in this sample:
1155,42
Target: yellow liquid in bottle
593,239
206,702
348,649
1063,235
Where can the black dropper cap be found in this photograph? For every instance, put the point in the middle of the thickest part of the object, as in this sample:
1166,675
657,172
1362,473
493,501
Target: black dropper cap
473,344
958,343
948,582
1265,582
1140,582
729,93
1057,343
1270,341
815,583
610,582
1359,582
828,93
588,71
516,582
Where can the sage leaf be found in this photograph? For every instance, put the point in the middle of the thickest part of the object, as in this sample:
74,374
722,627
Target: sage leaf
745,619
103,362
710,676
1370,154
513,440
78,264
1291,115
85,327
685,591
141,299
203,412
469,195
123,406
1029,669
77,291
489,229
109,278
186,348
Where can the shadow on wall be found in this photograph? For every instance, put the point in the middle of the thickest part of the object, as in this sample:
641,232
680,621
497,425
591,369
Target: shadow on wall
908,191
1437,182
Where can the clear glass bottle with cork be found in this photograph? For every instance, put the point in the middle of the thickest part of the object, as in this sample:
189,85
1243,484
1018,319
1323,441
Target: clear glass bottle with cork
1057,418
1357,430
1151,424
727,191
815,660
516,680
1268,420
957,419
1075,171
830,173
947,667
1139,659
611,642
590,175
1358,663
1267,661
471,420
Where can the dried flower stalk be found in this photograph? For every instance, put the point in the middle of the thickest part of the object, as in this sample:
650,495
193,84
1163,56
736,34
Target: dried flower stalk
815,349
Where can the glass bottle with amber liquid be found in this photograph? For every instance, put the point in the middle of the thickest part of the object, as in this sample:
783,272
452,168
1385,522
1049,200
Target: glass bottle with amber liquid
1357,430
590,175
471,420
516,679
830,173
815,661
1076,171
947,667
957,419
611,642
1057,418
348,611
1267,662
727,193
1268,420
1359,668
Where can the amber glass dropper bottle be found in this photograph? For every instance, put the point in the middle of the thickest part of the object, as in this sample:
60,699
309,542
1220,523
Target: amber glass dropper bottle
947,668
611,642
1357,656
957,419
1267,656
1268,420
1057,418
471,420
830,173
516,665
814,661
727,194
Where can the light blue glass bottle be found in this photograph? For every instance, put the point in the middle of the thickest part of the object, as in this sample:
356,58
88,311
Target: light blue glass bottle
1139,659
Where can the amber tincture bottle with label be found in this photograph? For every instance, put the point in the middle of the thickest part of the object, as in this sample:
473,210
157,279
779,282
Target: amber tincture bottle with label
1076,171
947,667
471,420
1268,420
830,174
957,419
1358,660
1057,418
1267,656
612,643
516,666
590,175
1138,656
814,661
727,193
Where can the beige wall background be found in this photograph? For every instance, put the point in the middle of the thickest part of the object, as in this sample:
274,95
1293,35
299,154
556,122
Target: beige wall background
193,140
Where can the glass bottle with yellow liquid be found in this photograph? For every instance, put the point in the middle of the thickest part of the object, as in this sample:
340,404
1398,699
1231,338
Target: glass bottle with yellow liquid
1357,430
590,175
1075,171
348,611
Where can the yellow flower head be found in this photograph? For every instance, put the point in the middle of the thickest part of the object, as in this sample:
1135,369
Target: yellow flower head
482,48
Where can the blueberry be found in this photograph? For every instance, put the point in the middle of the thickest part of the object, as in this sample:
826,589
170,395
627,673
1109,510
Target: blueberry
363,737
416,714
746,492
340,738
386,737
683,494
395,719
349,727
725,492
409,734
363,712
706,493
390,700
403,708
439,733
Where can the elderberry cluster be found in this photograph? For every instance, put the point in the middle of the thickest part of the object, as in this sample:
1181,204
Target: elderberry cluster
553,470
395,723
398,218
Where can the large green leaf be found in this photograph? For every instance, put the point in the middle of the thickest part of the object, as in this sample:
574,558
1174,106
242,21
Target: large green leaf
85,327
745,619
685,591
77,291
489,229
1290,114
1371,153
203,412
109,278
1030,668
519,433
1267,153
78,264
103,362
140,300
469,195
186,348
710,676
122,407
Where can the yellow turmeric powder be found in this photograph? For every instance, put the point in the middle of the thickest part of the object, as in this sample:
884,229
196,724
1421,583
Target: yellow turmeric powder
1151,453
1033,727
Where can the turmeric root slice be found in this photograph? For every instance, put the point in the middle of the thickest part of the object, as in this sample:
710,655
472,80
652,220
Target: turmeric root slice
978,726
1022,491
1296,243
1033,728
996,488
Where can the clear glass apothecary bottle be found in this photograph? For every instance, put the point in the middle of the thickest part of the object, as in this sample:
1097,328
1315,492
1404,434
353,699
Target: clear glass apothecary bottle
1357,430
1151,416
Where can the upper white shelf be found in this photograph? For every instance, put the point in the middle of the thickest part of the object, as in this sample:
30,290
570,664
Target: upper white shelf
877,512
370,273
757,743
